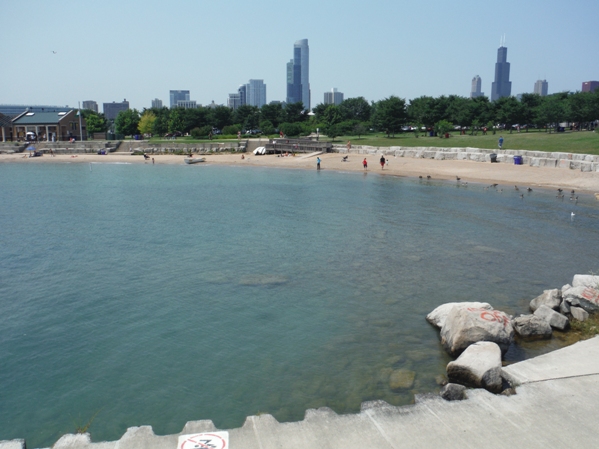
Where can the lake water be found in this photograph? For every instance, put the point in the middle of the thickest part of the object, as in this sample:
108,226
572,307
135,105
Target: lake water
162,294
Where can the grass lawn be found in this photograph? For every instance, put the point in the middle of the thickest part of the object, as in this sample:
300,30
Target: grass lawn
569,142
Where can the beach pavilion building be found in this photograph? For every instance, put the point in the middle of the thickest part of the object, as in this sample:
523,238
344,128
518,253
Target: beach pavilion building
5,128
49,126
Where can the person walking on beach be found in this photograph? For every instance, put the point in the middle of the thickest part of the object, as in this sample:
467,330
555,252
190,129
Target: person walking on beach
500,142
317,163
365,164
348,145
382,161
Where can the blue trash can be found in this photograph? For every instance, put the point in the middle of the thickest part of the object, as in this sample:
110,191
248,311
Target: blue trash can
517,160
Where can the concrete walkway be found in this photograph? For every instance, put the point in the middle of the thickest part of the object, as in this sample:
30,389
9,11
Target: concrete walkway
555,407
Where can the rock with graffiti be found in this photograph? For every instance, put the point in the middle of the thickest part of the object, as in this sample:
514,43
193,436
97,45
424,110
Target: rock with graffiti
583,296
468,325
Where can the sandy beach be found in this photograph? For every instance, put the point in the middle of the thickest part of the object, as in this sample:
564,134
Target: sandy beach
506,175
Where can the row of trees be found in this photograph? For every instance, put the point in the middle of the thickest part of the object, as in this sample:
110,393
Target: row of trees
355,116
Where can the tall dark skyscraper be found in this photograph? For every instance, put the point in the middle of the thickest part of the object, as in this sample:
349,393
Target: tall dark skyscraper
502,86
298,74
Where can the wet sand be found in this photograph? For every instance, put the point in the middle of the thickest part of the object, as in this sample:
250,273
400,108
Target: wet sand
506,175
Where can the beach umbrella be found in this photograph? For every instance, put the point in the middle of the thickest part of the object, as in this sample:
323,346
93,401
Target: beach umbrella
30,148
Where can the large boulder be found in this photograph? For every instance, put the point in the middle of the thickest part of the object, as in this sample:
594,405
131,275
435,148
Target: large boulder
586,280
579,313
555,320
550,298
533,327
585,297
467,325
478,366
437,317
453,392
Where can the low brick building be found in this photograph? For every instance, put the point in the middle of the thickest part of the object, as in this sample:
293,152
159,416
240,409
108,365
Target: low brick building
49,126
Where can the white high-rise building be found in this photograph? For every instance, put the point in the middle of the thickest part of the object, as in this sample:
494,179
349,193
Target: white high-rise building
541,87
256,93
476,86
333,97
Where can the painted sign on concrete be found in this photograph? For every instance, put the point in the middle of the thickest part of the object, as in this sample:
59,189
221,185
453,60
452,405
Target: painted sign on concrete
212,440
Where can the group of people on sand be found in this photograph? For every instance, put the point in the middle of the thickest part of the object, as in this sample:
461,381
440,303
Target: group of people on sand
382,161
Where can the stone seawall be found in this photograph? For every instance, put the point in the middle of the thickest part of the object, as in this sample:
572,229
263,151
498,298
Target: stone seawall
573,161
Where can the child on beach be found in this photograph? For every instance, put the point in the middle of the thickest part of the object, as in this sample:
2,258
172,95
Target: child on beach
365,164
382,161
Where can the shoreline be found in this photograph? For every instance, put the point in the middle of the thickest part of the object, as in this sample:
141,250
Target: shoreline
504,174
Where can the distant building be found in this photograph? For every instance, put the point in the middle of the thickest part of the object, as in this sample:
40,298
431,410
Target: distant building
178,95
212,105
502,86
298,74
590,86
243,94
476,86
187,104
111,110
256,93
12,110
234,100
333,97
541,87
91,105
156,103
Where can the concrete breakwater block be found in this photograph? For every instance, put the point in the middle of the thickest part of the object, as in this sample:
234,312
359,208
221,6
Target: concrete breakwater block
479,366
587,166
564,163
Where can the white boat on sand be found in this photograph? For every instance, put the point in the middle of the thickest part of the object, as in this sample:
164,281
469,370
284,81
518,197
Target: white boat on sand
194,160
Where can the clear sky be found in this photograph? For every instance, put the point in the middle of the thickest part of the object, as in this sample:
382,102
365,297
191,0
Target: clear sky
140,49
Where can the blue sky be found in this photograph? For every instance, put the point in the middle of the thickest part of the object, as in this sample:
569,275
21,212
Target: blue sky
140,49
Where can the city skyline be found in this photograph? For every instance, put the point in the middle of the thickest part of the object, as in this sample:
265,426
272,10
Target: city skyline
380,61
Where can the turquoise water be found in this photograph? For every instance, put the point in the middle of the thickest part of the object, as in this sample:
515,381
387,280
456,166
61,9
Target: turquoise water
162,294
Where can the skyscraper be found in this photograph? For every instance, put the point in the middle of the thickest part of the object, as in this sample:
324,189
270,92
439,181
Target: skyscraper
91,105
590,86
178,95
333,97
156,103
541,87
502,86
256,93
111,110
298,74
475,89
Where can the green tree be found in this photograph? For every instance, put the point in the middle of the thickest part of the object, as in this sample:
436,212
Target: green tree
161,123
146,122
291,129
442,127
355,109
220,116
267,127
295,112
248,116
390,114
95,123
175,121
272,112
359,129
126,122
530,103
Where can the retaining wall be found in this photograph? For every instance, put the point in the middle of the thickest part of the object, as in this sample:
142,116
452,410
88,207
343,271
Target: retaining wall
572,161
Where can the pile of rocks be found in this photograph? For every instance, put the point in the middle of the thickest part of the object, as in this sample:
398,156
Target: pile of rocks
478,335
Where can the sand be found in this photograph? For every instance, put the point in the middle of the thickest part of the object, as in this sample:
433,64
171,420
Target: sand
506,175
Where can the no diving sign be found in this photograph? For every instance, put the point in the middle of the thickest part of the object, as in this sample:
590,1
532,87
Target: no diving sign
213,440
